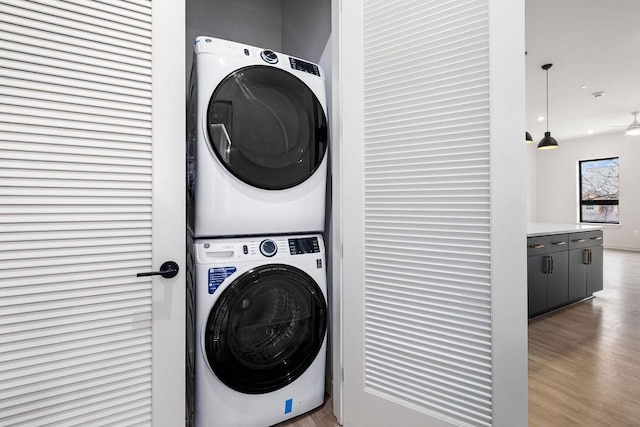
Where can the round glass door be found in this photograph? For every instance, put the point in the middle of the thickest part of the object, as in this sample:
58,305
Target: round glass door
266,329
267,127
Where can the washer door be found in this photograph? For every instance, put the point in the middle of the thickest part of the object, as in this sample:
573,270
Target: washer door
265,329
267,127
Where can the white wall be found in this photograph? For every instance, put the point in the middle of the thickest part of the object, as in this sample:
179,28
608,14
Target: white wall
532,182
508,214
557,184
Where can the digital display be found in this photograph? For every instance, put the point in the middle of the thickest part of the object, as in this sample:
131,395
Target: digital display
307,245
307,67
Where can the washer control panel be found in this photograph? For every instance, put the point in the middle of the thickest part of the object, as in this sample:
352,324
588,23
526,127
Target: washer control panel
304,245
268,248
259,248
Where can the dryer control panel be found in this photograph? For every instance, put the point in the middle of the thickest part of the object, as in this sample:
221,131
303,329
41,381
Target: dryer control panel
307,67
304,245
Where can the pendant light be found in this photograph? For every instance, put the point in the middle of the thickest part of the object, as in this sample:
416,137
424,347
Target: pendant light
527,138
634,128
548,142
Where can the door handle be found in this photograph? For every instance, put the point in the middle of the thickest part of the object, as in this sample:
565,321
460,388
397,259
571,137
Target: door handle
168,270
590,257
551,263
585,256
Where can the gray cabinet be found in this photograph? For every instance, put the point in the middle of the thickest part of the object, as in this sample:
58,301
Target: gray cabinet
563,268
547,273
585,264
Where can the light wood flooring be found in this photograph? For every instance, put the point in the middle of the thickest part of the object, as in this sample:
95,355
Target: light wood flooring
584,360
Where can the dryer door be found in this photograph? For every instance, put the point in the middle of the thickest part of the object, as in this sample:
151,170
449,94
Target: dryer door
265,329
267,127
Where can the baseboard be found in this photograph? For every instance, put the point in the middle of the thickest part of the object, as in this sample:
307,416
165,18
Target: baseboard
622,248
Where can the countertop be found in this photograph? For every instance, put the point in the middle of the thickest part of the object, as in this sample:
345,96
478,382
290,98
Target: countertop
544,229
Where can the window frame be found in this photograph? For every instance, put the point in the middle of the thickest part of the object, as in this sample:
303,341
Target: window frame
594,203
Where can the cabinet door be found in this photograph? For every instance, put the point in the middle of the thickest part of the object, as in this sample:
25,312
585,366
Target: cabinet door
537,283
558,280
577,274
595,271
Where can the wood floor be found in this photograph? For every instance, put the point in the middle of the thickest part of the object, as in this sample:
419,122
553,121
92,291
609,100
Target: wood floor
584,360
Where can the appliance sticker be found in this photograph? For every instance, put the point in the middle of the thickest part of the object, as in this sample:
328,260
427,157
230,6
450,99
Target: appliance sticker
218,275
288,406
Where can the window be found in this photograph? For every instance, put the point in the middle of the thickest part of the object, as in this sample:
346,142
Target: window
599,190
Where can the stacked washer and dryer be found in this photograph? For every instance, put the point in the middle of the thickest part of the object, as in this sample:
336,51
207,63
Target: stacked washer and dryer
257,302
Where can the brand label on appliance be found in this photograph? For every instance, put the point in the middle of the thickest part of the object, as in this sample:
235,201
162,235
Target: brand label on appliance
217,276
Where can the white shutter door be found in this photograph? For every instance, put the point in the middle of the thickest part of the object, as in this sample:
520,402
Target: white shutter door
75,212
426,173
418,316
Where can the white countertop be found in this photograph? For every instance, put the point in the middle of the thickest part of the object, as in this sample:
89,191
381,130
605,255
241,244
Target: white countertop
544,229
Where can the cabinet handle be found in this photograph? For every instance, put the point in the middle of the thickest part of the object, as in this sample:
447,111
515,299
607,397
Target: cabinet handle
585,256
548,267
559,243
590,257
597,238
579,240
536,246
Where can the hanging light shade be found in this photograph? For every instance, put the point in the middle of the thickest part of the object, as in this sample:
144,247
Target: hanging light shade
548,142
634,128
527,138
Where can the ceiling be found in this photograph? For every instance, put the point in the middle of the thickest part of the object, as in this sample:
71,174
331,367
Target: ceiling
589,42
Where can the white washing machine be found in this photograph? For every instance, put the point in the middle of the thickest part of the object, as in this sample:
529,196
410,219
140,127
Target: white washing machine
257,142
261,322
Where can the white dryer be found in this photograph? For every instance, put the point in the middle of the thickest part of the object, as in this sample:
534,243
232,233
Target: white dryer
257,142
261,322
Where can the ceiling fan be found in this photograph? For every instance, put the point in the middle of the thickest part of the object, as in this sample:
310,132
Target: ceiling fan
634,128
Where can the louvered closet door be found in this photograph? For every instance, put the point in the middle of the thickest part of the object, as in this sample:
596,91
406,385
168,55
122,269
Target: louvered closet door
418,218
79,197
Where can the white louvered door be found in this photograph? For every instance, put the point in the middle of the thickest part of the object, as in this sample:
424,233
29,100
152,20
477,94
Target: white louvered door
90,182
423,262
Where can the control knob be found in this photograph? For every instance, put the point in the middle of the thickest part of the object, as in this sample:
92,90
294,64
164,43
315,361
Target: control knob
269,56
268,248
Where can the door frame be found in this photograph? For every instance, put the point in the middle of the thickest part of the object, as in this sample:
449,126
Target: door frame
169,218
508,207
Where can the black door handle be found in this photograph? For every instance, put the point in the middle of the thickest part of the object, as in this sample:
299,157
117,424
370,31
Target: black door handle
168,270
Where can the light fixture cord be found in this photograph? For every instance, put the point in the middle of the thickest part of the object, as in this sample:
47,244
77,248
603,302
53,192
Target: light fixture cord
547,74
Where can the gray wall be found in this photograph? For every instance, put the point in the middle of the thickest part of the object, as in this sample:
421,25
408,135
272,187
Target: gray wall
299,28
306,28
255,22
